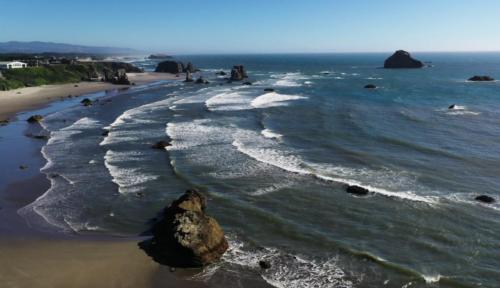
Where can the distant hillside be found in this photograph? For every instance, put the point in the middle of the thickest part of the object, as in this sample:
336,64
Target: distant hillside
40,47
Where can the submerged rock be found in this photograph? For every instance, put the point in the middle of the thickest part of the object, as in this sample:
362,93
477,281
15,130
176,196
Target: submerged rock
201,81
402,59
357,190
477,78
221,73
485,199
35,119
247,83
160,145
264,264
370,86
451,107
269,90
186,236
105,133
86,102
23,167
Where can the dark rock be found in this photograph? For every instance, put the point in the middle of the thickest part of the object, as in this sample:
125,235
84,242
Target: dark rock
86,102
160,145
269,90
357,190
105,133
247,83
264,264
189,77
189,68
170,66
41,137
221,73
35,119
186,236
201,81
76,85
238,73
485,199
451,107
4,122
481,78
118,76
402,59
370,86
23,167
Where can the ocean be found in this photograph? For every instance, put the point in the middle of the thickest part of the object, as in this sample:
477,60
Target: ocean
275,166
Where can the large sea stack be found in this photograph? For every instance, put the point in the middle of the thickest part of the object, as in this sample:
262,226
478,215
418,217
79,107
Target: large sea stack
169,66
238,73
186,236
402,59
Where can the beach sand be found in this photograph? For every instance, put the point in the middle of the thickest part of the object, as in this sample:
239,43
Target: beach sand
16,100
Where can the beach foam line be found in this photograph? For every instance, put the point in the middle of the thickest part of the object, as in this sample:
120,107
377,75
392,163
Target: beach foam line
228,101
273,99
268,133
294,164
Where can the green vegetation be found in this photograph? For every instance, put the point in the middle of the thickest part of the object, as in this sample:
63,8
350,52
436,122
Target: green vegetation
59,74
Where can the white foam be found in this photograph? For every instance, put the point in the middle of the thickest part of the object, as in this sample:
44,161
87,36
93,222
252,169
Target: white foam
459,110
228,101
128,179
273,99
268,133
429,279
289,79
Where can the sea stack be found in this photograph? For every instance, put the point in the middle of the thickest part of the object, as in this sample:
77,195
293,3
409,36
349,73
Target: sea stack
402,59
186,236
238,73
481,78
169,66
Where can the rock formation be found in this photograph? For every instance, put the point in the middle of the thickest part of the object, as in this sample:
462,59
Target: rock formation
221,73
238,73
186,236
170,66
485,199
189,77
481,78
402,59
86,102
190,68
201,80
160,144
35,119
357,190
118,76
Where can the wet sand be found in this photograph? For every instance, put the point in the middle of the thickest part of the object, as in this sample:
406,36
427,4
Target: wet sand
17,100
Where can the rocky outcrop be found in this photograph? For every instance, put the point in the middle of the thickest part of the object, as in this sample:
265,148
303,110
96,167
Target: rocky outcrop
35,119
170,66
201,80
160,145
185,236
481,78
402,59
370,86
357,190
190,68
238,73
86,102
118,76
485,199
189,77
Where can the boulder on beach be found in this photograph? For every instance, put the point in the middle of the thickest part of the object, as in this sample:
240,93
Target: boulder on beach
370,86
402,59
86,102
35,119
186,236
161,144
477,78
357,190
238,73
170,66
485,199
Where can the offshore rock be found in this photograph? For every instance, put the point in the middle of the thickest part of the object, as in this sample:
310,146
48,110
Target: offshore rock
485,199
35,119
238,73
357,190
402,59
481,78
186,236
169,66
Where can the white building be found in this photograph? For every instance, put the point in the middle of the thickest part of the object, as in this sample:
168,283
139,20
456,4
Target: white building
12,65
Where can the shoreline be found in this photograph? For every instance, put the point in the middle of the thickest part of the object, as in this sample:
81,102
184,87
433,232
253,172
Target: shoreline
34,256
29,98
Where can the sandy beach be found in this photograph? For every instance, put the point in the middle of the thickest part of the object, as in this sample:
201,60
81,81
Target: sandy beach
16,100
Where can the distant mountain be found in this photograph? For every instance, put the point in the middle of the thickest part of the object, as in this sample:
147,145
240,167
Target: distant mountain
41,47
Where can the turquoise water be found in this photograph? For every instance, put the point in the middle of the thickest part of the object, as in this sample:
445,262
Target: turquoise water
275,166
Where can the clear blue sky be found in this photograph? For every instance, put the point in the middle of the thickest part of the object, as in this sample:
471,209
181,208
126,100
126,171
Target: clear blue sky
259,26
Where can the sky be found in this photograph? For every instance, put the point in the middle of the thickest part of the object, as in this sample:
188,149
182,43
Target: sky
257,26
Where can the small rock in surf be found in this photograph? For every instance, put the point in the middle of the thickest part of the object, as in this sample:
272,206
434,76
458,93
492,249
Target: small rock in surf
485,199
356,190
